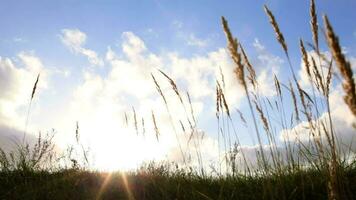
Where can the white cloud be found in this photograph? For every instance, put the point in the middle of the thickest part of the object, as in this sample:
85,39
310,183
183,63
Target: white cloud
321,65
100,102
17,77
16,85
266,66
75,40
192,40
342,120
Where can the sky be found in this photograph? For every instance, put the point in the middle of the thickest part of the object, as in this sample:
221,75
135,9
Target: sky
96,60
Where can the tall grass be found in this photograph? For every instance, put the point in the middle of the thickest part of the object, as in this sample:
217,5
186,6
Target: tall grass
291,169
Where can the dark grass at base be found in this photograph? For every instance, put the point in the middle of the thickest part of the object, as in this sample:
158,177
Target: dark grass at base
78,184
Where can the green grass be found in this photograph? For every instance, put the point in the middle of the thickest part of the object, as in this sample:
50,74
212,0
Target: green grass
160,183
320,168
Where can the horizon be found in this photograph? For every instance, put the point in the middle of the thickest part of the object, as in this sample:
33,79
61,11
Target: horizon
96,60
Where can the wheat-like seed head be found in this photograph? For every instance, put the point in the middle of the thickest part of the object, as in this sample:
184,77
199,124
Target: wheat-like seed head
222,77
135,119
294,98
343,65
314,24
328,79
276,29
76,131
218,99
155,125
126,119
305,58
234,53
302,95
35,87
143,126
173,84
226,106
221,100
277,86
317,75
158,87
262,117
250,69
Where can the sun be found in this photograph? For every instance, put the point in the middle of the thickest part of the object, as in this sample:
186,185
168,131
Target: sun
120,148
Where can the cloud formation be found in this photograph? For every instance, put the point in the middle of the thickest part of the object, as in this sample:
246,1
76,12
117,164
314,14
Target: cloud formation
74,39
100,101
16,81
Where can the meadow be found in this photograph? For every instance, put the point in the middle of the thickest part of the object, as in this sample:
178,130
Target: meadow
321,167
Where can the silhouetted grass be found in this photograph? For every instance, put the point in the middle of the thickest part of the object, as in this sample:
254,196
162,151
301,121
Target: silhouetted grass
160,183
314,169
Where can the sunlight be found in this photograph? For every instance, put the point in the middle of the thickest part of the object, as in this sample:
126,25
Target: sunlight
115,147
167,100
122,151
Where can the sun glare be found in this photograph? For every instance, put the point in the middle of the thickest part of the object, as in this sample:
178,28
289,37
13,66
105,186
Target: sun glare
120,148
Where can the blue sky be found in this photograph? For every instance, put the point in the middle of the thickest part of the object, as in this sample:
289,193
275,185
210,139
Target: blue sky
188,32
104,21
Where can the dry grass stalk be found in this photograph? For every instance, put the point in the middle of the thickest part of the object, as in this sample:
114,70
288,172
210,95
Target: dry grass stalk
234,53
294,98
174,85
277,86
328,80
126,119
302,95
343,65
275,26
222,77
222,100
77,132
143,126
191,110
135,120
35,87
314,25
158,87
252,73
226,106
155,125
262,117
239,71
317,75
241,116
29,106
218,101
327,134
305,58
182,126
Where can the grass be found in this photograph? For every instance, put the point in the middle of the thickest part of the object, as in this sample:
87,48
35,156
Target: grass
320,168
160,183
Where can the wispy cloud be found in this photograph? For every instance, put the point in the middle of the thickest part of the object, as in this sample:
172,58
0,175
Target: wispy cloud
15,83
19,39
74,39
192,40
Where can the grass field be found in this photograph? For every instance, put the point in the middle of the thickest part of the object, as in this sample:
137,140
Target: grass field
320,168
159,183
